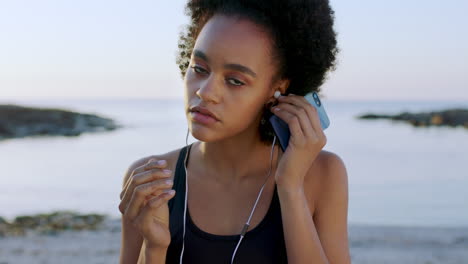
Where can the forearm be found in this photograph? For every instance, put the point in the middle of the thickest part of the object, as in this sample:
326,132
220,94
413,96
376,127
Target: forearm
131,244
301,238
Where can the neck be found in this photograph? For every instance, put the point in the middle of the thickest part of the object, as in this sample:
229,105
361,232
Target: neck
236,160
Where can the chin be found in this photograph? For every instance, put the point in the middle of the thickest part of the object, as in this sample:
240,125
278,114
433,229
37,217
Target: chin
209,134
203,133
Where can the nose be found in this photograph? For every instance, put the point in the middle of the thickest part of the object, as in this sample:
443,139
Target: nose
209,91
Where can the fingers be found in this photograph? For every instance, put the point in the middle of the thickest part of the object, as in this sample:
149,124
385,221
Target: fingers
294,116
139,176
140,181
152,163
139,194
302,118
157,201
142,178
311,111
153,204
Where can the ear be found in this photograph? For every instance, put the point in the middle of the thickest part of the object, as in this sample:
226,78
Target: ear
281,85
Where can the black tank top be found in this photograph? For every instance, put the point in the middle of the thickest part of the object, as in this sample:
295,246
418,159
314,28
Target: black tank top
263,244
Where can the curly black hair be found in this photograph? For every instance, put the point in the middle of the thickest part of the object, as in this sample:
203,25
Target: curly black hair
303,38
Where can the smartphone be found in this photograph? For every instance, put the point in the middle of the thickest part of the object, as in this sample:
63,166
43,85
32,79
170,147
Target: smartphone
281,128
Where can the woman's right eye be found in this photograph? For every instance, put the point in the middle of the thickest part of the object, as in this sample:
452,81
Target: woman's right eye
198,69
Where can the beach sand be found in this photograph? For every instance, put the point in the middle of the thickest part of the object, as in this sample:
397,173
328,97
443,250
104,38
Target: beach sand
368,244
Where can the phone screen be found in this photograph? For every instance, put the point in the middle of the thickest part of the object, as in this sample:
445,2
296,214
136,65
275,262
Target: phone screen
281,128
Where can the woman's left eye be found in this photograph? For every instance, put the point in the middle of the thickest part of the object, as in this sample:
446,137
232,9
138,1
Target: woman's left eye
235,82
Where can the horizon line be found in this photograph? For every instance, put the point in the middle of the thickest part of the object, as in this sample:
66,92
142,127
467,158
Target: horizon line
120,98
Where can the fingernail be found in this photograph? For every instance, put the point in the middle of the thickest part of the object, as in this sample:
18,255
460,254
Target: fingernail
169,182
161,162
277,109
171,192
167,171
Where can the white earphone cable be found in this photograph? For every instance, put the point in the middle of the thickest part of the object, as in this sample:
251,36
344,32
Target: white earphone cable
246,226
186,194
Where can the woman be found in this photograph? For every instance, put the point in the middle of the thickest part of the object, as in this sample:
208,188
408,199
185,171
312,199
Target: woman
235,57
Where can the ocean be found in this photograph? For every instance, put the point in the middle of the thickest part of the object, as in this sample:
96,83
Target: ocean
399,175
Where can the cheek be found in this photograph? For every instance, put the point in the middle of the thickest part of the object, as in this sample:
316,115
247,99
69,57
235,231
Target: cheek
188,80
190,87
244,113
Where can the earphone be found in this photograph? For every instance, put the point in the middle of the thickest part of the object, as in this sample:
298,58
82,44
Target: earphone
277,94
247,224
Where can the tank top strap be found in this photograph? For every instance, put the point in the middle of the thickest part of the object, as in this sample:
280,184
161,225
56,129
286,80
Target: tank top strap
179,177
263,244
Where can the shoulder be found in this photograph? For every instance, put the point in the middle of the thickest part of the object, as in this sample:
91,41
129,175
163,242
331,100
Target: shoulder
327,177
170,157
331,166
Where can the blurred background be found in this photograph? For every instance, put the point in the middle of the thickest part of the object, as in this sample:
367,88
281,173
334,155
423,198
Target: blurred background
116,59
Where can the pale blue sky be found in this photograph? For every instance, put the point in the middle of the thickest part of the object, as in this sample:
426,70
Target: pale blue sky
408,50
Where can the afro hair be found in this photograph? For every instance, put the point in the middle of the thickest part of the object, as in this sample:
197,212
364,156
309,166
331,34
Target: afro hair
304,41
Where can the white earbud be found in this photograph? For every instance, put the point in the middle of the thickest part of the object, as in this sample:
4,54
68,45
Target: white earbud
277,94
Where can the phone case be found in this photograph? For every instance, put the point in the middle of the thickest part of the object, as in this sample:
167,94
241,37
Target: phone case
281,128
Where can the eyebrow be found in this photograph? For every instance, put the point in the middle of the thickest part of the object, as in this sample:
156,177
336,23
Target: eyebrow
231,66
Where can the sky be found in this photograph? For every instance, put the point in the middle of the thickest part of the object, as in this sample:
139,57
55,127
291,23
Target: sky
389,50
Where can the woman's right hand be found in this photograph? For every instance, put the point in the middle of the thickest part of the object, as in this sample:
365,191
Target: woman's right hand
144,202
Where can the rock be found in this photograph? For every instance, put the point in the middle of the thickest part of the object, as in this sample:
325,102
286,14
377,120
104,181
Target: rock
51,224
3,226
436,120
18,122
450,117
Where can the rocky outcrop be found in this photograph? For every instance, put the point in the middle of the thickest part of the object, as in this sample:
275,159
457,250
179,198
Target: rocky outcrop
50,223
450,117
18,122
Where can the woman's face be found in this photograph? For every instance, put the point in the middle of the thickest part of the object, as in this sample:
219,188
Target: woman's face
230,74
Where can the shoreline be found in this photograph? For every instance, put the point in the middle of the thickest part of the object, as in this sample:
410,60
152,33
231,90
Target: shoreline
57,221
368,244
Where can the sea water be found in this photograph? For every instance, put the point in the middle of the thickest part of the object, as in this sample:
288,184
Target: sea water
398,174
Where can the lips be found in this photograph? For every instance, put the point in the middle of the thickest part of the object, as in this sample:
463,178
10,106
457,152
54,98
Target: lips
204,111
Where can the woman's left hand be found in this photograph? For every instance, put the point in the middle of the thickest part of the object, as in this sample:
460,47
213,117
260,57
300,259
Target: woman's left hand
306,141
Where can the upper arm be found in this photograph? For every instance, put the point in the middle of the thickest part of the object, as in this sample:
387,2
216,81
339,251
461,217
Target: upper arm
331,212
133,248
136,245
